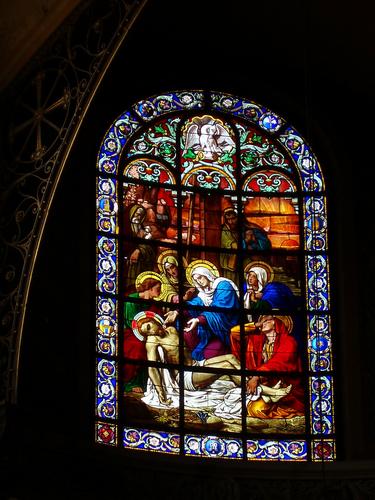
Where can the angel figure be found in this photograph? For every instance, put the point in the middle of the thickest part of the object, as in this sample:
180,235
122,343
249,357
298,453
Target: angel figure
208,137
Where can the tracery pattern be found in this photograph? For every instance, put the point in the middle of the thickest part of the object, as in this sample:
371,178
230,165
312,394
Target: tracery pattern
159,140
269,181
260,151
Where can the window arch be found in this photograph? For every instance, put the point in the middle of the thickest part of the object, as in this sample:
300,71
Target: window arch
213,306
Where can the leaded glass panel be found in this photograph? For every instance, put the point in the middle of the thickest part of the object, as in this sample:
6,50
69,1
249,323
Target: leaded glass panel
214,329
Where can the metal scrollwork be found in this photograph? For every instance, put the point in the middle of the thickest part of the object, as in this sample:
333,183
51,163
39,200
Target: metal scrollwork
45,106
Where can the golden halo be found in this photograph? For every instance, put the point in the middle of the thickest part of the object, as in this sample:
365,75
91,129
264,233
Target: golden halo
263,265
144,276
143,317
167,253
229,209
200,263
287,320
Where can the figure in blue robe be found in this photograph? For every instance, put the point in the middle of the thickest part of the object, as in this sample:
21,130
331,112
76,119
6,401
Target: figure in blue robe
207,331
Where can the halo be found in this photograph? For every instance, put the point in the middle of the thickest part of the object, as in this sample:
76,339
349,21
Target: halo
229,209
167,253
144,276
264,265
287,320
143,315
200,263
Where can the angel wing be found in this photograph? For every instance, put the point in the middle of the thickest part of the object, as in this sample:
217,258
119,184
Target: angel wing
192,137
224,140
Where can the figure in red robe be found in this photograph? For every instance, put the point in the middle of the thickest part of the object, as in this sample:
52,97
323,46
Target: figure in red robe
148,288
270,348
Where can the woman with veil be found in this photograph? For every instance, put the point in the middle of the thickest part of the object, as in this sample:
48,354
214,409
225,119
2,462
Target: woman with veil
211,314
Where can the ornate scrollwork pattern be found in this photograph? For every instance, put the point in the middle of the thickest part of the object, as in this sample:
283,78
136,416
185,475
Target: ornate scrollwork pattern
46,106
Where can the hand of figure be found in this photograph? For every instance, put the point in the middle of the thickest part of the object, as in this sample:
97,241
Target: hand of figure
170,317
252,385
189,294
191,324
145,204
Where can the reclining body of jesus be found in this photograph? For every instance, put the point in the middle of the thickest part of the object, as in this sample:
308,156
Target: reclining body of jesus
167,338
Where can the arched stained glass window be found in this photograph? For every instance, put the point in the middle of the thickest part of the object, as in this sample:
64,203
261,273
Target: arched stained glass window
213,307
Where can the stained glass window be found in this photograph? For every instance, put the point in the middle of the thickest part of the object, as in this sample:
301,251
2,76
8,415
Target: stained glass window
213,300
